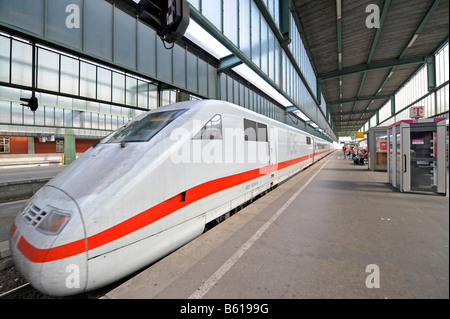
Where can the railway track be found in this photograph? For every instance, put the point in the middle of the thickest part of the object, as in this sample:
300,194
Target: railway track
17,292
20,289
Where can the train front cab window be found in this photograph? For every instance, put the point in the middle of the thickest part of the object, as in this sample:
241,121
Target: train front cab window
142,129
211,130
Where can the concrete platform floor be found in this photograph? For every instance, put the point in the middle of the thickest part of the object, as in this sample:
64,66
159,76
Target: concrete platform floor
333,231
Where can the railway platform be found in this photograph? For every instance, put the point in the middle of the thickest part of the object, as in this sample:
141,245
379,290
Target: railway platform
335,230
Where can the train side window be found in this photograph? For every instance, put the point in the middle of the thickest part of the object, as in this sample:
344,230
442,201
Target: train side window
262,132
308,140
250,130
212,130
254,131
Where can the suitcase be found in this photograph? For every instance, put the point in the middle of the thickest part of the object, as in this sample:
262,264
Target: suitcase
358,160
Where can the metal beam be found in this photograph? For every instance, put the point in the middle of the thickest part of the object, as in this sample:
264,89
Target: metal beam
356,121
355,126
354,112
431,70
410,43
216,33
268,17
285,20
374,66
291,109
374,44
339,41
228,63
361,98
420,27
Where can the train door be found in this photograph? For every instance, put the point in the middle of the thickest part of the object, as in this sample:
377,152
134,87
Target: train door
273,148
391,155
314,149
424,157
398,157
405,167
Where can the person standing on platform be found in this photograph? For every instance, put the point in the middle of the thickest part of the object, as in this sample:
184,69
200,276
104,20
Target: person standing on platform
352,153
344,148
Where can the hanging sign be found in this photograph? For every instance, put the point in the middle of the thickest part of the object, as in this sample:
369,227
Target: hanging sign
416,112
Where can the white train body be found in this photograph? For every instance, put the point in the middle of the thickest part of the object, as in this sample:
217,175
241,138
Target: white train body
123,205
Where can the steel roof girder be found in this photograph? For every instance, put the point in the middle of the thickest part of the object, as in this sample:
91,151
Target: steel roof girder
375,66
228,62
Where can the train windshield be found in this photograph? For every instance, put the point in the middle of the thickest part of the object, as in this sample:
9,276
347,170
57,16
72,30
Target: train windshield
142,129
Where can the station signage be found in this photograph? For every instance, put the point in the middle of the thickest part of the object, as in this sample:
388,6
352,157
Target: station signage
416,112
359,135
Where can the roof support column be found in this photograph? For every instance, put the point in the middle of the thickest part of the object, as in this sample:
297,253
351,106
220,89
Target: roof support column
431,68
285,20
392,105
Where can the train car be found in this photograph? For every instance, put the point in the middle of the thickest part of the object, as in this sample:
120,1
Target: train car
149,188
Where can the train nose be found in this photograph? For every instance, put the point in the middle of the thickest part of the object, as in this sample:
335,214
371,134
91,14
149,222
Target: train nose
48,243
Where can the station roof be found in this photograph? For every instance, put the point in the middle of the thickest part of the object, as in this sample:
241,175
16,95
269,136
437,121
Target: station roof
359,67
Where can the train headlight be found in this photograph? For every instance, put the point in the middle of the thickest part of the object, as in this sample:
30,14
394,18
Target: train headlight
54,222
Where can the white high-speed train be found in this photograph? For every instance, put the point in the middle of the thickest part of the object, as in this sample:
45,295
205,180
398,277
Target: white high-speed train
149,188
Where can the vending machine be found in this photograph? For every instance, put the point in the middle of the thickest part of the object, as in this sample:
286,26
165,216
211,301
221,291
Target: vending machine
417,155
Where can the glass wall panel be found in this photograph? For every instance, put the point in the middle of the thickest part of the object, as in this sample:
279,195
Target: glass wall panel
146,41
212,10
164,65
271,57
69,75
98,16
442,100
49,116
21,63
104,84
212,81
265,31
179,72
442,65
105,108
17,113
124,39
57,19
5,112
191,68
244,27
88,75
118,88
94,121
153,96
59,117
195,3
202,77
101,121
39,116
230,22
256,35
131,85
28,117
4,58
142,94
24,14
68,119
93,107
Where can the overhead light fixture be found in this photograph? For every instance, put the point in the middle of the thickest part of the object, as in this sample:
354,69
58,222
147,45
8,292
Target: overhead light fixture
251,76
301,115
412,40
338,9
206,41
